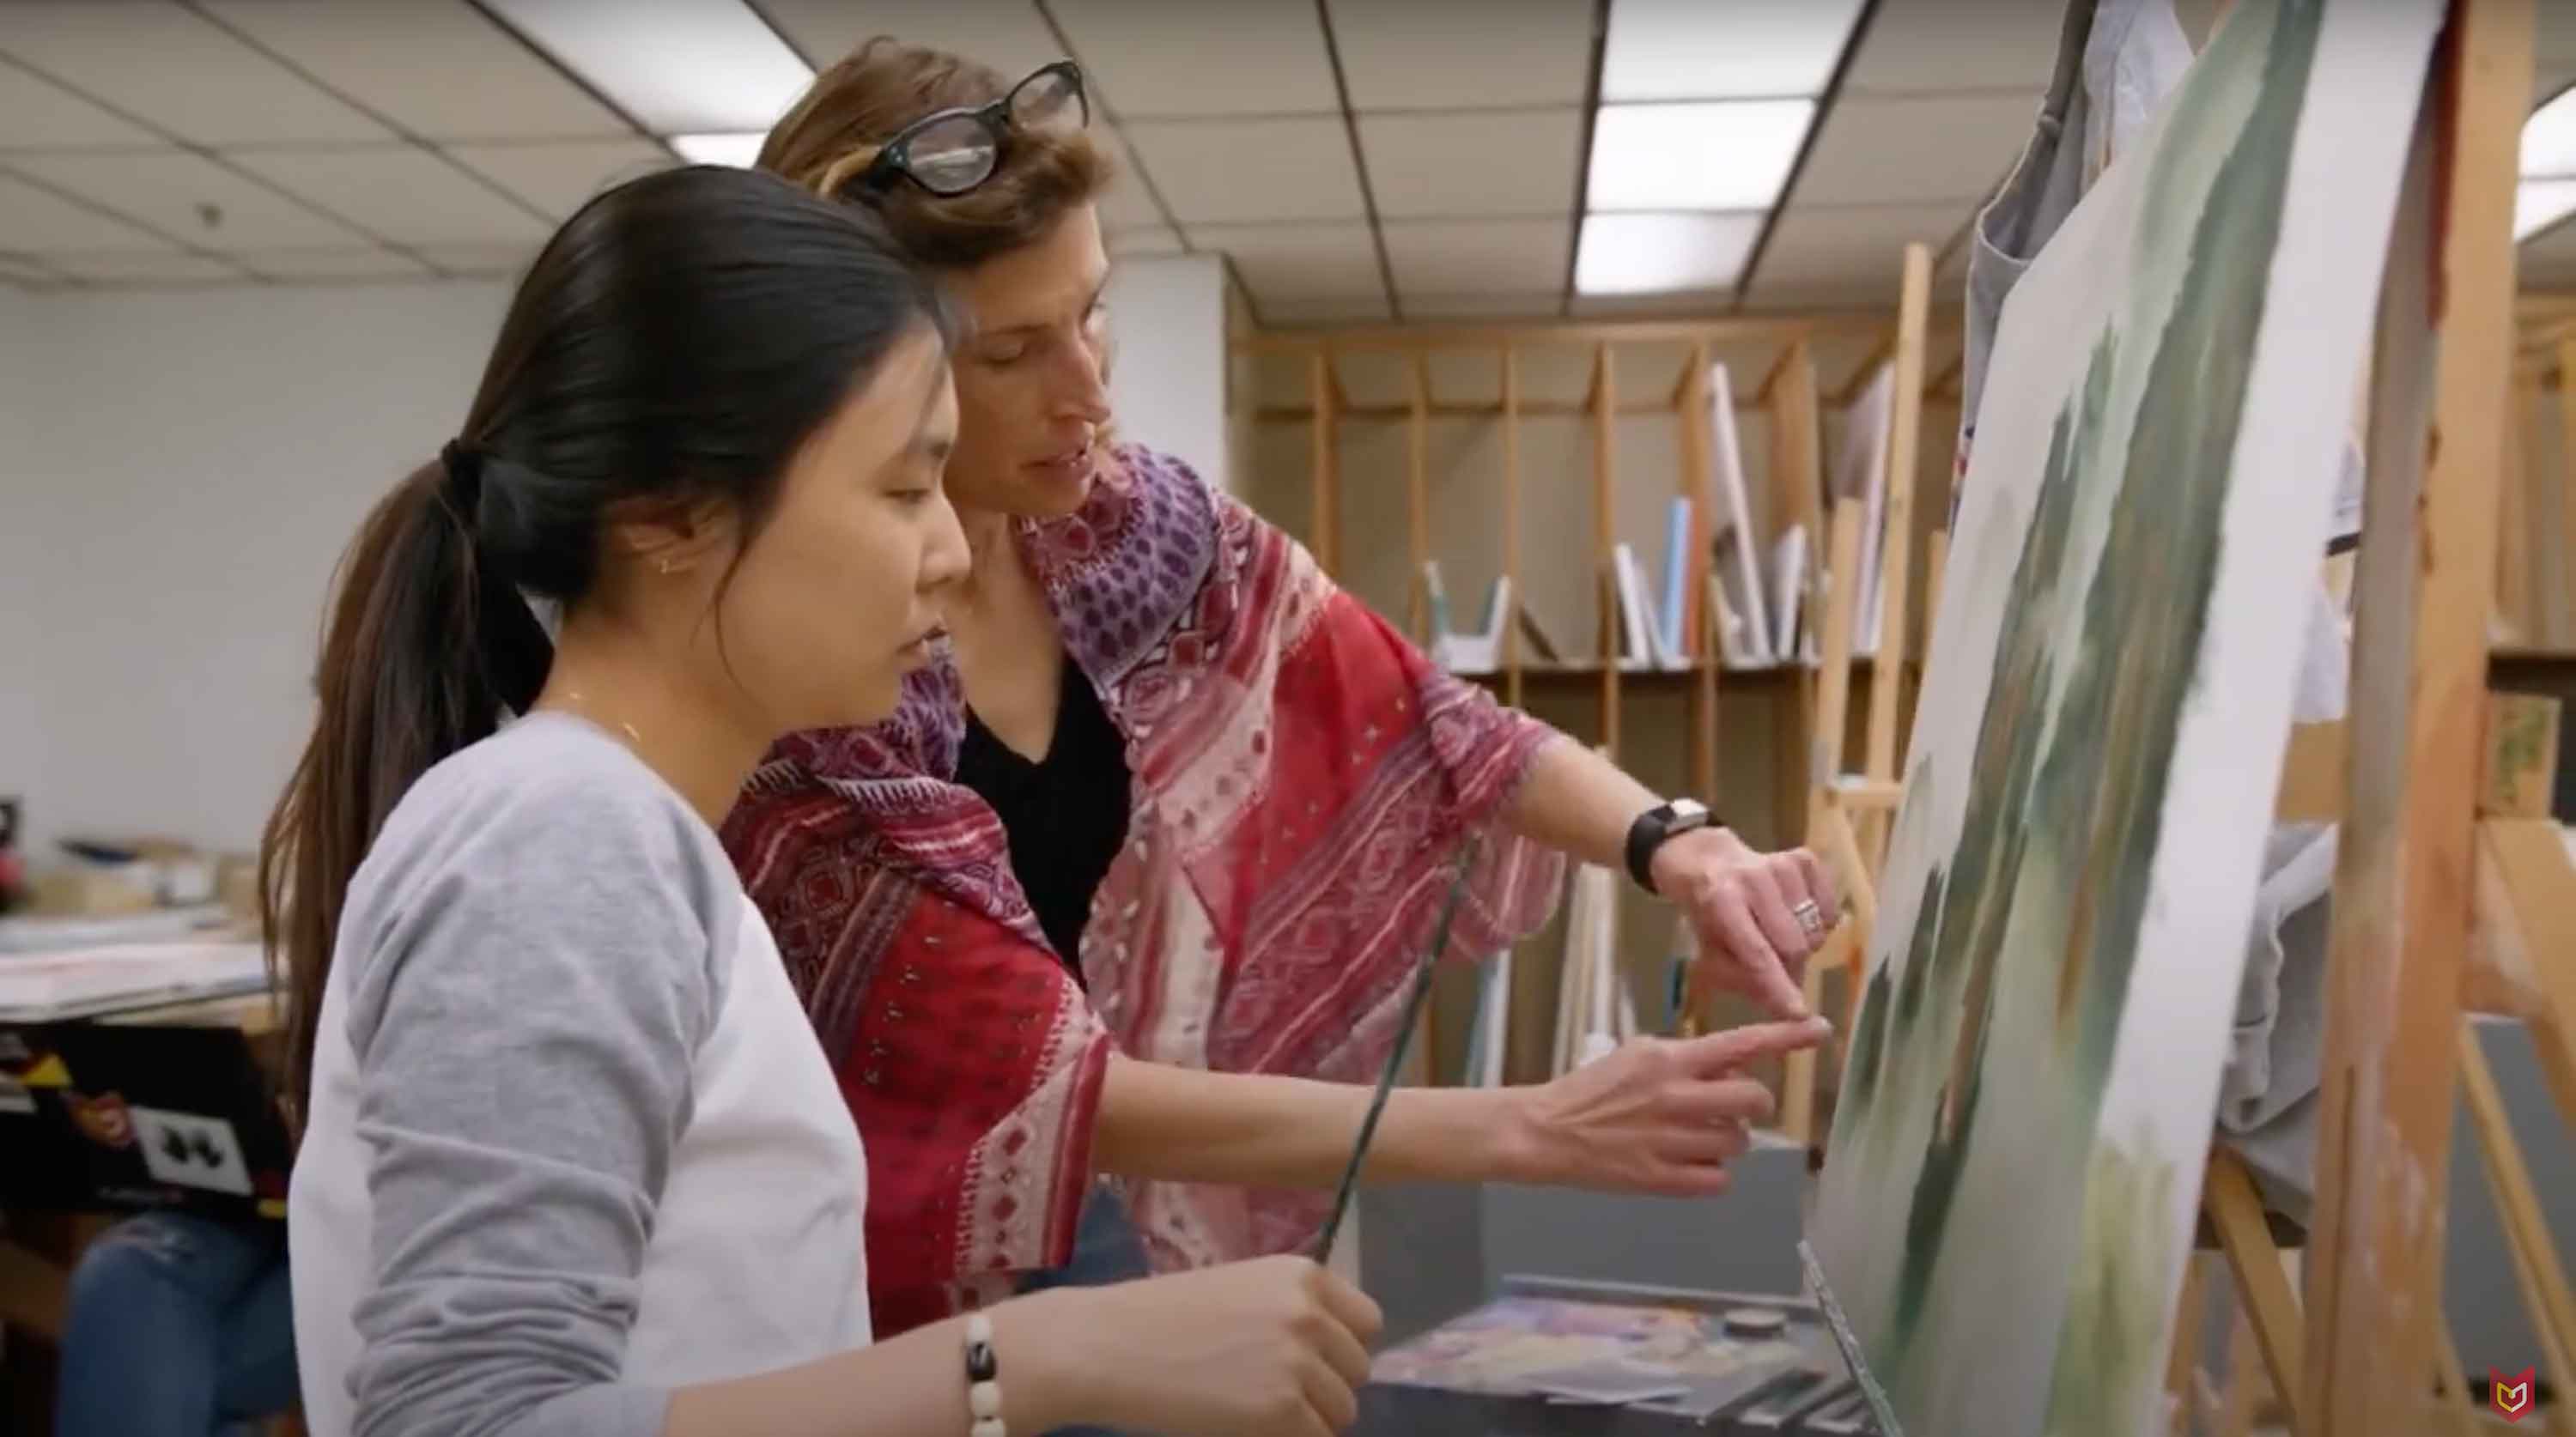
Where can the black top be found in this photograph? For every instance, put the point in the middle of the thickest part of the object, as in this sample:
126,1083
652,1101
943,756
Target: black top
1065,815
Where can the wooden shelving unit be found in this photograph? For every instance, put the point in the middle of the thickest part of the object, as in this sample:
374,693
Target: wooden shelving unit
1805,363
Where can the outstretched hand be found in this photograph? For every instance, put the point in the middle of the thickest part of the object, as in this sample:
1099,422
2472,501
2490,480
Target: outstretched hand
1656,1115
1752,914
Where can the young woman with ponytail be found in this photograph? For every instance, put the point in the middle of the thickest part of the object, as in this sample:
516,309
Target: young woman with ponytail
571,1158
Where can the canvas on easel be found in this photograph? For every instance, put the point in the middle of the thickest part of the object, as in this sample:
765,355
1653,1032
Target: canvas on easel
2010,1183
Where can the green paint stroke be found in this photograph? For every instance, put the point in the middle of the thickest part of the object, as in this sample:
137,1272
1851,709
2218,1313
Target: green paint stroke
2111,1347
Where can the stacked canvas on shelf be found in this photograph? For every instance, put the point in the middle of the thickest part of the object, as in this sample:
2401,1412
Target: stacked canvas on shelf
1718,575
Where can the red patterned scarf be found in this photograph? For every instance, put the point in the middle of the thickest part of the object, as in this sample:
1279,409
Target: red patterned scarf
1302,776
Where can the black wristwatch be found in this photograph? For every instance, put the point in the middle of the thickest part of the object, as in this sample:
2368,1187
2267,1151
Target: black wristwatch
1656,825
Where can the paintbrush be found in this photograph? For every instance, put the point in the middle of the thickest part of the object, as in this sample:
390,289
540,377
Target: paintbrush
1395,1057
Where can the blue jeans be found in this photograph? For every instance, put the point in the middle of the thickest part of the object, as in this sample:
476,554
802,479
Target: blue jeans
180,1326
1106,1250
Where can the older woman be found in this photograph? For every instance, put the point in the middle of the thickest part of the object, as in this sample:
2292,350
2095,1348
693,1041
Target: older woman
1133,881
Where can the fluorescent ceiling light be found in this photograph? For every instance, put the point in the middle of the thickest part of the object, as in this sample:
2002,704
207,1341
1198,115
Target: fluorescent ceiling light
1724,155
730,149
680,67
1740,49
1663,254
2549,137
2538,204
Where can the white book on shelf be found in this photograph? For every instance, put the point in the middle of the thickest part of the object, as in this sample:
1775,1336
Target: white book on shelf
1479,652
1734,645
1860,471
1789,571
1636,627
1672,605
1735,556
1490,1047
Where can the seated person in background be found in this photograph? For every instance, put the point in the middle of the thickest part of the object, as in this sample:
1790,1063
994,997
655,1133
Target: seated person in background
179,1326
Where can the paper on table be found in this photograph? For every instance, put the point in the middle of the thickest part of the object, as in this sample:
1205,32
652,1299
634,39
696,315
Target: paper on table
43,987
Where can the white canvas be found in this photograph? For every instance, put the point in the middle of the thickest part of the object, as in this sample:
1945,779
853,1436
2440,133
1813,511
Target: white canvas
1738,561
2010,1182
1860,472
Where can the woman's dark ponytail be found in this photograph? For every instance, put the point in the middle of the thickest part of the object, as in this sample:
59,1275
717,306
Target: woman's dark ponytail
677,341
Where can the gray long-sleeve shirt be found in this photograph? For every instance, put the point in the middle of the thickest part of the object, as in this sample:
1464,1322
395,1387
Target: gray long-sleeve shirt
571,1141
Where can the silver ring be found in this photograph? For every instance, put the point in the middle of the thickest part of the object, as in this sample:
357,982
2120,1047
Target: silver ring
1809,916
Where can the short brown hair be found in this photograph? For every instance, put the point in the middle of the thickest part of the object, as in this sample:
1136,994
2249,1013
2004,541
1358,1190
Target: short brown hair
854,108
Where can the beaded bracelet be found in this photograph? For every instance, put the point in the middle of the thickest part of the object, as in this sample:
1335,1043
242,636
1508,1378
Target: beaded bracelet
983,1371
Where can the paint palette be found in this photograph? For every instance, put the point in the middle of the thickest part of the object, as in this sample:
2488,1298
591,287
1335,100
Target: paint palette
1570,1361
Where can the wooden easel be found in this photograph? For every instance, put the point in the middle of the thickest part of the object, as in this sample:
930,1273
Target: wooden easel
2454,893
1847,817
2453,890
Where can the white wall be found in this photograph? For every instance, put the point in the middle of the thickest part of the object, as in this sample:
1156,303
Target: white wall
201,460
1167,381
180,470
22,735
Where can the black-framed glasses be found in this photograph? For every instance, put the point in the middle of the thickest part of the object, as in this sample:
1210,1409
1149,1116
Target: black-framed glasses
953,151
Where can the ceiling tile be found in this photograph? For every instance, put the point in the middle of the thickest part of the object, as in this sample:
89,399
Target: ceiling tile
1288,314
1247,171
38,221
408,196
1265,58
1158,239
106,268
37,114
295,264
1481,306
1958,45
1296,262
1419,57
1126,204
2553,39
558,177
480,261
1005,34
175,70
1520,162
192,198
1908,151
408,63
1858,250
1748,49
28,273
1469,256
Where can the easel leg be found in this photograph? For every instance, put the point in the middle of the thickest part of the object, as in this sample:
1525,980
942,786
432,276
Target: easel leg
2262,1289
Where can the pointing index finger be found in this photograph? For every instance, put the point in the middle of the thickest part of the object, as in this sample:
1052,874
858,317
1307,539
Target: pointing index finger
1736,1047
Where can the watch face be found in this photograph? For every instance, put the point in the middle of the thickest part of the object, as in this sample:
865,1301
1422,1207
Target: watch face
1689,813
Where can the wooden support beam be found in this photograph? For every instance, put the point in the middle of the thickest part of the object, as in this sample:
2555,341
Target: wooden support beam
1896,563
1605,460
2235,1209
1699,637
2565,480
1325,521
1468,409
1572,334
1417,501
2402,883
